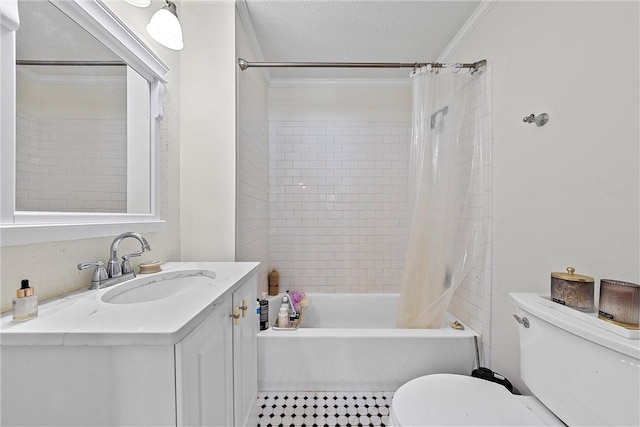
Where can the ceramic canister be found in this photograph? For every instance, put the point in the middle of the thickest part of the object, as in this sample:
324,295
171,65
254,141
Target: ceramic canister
573,290
620,303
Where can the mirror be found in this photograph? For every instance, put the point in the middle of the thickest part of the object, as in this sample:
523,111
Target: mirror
81,169
72,120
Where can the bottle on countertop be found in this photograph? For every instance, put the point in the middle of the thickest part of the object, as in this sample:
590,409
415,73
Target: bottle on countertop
258,312
264,312
283,317
292,310
25,305
274,279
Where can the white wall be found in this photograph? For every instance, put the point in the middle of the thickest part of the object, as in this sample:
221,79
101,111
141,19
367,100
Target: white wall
566,194
51,267
207,134
340,100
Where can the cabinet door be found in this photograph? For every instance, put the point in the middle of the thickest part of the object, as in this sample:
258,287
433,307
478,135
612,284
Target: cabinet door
204,379
245,371
87,385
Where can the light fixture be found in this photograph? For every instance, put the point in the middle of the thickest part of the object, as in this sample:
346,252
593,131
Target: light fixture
165,28
138,3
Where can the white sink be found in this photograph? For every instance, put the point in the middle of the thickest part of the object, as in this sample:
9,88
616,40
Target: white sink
164,285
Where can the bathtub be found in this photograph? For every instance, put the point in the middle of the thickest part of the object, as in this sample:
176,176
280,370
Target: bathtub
349,342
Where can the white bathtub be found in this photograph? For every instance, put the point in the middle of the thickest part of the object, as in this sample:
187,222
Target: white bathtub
349,342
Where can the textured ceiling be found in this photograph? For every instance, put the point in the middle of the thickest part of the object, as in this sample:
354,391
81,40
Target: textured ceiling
355,31
46,33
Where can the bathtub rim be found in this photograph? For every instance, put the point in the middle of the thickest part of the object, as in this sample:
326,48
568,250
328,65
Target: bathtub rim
274,306
443,332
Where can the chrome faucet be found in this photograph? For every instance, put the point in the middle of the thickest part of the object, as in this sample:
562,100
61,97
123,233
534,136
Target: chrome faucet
113,267
115,273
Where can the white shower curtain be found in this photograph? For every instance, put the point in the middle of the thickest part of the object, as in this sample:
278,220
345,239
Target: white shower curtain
448,190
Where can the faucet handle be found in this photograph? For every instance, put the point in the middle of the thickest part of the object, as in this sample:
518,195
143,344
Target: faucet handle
85,265
99,274
126,264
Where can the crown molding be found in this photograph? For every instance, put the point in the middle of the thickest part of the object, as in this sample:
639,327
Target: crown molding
102,23
476,17
338,82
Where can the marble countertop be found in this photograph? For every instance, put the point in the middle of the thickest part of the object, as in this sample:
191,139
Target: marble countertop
83,318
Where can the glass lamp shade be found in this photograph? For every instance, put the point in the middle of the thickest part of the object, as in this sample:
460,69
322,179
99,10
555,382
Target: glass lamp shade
165,28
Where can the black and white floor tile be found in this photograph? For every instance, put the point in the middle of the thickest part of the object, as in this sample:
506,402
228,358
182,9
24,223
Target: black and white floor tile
323,409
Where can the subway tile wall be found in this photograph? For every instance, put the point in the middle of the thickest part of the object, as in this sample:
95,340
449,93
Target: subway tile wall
71,165
252,190
337,211
338,214
338,204
472,301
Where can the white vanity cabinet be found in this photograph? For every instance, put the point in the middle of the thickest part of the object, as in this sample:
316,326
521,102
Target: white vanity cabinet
216,365
180,362
245,357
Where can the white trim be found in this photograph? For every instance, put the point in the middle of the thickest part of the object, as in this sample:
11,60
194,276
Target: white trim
9,17
340,82
245,17
36,218
99,21
476,17
7,121
18,228
157,114
20,234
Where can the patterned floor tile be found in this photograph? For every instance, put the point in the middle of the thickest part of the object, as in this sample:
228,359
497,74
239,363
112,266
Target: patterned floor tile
323,409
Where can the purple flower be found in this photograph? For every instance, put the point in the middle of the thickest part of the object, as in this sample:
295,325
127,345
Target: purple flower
298,299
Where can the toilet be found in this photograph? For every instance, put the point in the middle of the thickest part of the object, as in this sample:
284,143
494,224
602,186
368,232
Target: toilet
581,370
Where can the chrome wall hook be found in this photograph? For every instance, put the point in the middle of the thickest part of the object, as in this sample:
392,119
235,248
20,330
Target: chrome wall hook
540,119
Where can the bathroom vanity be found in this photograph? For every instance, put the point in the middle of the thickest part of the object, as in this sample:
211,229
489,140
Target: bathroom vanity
176,347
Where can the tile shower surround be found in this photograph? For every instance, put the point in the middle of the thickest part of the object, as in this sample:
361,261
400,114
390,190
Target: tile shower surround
71,165
339,218
338,204
252,191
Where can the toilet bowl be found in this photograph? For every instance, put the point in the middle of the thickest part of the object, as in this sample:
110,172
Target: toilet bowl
580,369
449,399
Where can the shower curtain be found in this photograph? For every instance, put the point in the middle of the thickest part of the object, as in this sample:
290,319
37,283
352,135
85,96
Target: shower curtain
448,182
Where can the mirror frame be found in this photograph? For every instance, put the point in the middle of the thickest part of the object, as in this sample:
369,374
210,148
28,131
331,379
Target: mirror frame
26,227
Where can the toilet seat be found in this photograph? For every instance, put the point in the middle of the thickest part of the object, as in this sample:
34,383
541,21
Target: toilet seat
448,399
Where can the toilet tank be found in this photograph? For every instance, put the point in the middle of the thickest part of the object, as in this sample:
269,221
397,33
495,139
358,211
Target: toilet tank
584,369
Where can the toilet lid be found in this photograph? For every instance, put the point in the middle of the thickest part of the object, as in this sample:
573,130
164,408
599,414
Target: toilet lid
447,399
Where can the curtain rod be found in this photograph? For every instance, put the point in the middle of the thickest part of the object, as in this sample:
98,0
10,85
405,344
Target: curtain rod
69,63
474,66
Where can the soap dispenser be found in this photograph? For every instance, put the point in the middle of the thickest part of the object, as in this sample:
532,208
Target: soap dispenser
25,305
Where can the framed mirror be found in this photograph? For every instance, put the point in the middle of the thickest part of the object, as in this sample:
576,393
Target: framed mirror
84,143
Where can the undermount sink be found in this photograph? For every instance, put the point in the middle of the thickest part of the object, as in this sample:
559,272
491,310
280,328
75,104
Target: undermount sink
146,289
